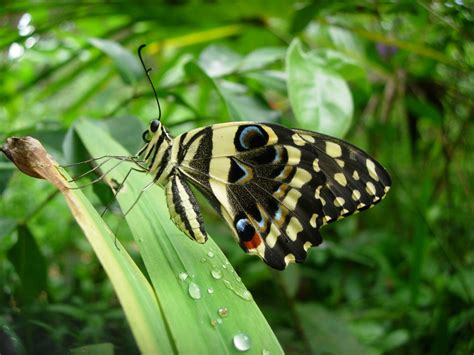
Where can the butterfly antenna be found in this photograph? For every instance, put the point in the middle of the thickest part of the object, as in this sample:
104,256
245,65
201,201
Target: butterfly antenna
147,72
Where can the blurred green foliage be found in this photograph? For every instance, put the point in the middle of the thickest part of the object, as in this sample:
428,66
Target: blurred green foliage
398,278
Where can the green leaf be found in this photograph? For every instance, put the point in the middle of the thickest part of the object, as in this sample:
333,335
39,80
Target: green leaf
217,61
321,99
95,349
133,290
6,172
270,79
30,265
344,65
127,64
191,281
303,16
7,225
261,57
245,107
125,129
327,333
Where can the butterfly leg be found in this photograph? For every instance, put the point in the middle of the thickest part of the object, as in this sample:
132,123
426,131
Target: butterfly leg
184,209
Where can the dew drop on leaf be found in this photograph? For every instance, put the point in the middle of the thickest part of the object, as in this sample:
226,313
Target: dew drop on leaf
241,342
216,273
223,312
183,276
194,291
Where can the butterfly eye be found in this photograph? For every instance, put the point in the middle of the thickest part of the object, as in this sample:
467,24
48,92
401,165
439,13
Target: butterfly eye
146,136
154,125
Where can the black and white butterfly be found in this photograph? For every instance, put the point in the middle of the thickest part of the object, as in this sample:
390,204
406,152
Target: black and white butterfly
275,187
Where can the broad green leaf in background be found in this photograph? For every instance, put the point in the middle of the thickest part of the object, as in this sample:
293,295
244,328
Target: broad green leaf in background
218,61
127,63
30,265
303,16
321,99
260,58
7,225
204,304
327,333
6,171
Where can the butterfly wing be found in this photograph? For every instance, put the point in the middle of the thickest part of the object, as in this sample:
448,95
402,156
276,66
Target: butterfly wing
276,187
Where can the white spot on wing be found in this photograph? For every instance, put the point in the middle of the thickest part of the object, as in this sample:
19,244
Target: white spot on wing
293,228
371,169
272,236
308,138
316,165
291,199
290,258
300,178
339,201
356,195
340,178
297,139
370,188
340,162
355,175
333,149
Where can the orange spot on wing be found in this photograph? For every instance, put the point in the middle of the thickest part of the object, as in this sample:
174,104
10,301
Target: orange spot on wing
254,242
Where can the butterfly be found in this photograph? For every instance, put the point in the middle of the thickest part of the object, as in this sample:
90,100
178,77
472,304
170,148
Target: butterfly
275,187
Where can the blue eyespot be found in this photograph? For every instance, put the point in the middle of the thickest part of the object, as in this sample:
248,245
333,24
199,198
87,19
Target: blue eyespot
241,224
250,137
245,230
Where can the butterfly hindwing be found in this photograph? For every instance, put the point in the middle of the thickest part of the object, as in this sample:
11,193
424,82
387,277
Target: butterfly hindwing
276,187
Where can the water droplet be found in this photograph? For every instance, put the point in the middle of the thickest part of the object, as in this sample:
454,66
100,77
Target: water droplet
210,290
216,273
237,277
247,295
219,321
241,342
183,276
194,291
265,352
210,254
223,312
224,266
203,260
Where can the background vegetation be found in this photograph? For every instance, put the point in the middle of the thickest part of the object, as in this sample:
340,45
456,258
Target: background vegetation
397,278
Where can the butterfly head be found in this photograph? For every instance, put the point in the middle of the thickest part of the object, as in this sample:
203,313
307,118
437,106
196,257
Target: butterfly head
154,127
157,141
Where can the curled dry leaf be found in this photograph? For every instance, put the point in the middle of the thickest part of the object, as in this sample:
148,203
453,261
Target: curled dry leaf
30,157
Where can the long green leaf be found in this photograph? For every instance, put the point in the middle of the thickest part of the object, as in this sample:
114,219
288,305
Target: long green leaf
133,290
203,301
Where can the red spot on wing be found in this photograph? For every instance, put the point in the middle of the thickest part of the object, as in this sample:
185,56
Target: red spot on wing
254,242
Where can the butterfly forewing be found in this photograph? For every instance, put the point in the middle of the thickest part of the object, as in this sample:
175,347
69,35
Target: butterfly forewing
275,187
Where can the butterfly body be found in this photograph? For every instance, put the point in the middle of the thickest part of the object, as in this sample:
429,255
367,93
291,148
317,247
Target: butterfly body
275,187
